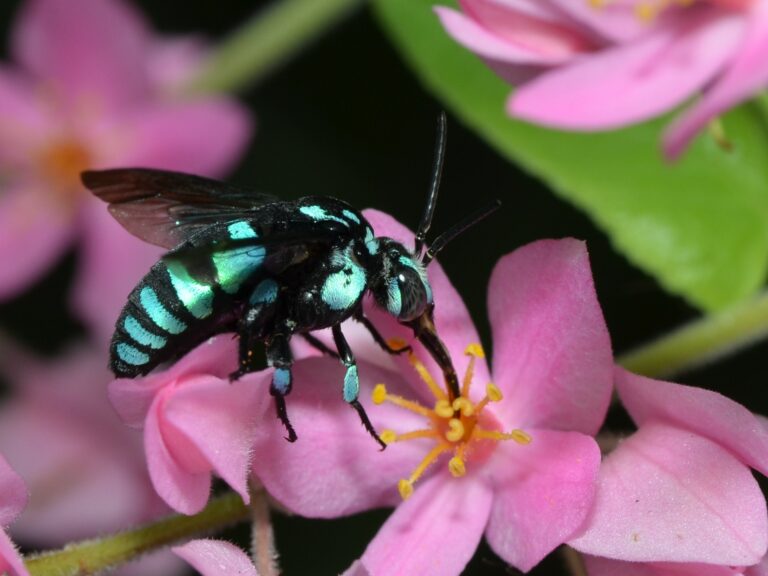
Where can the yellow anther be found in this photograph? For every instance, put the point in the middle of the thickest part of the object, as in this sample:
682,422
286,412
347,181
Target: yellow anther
520,437
443,408
493,392
455,430
379,394
405,487
457,467
388,436
397,343
464,406
475,350
597,4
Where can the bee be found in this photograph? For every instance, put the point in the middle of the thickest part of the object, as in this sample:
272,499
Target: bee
268,270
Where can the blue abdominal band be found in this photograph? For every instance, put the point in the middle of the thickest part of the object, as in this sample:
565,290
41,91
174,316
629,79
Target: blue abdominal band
131,355
159,313
351,384
141,335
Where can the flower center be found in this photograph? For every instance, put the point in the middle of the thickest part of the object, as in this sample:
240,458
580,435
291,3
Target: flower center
459,425
61,163
649,10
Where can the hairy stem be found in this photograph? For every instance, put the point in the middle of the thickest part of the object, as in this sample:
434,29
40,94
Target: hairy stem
701,341
263,549
93,556
268,39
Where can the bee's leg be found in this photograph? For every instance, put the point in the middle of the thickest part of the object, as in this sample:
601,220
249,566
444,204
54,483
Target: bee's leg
319,345
380,340
351,381
279,357
251,326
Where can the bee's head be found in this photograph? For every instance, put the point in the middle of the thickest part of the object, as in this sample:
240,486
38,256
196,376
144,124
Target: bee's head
400,283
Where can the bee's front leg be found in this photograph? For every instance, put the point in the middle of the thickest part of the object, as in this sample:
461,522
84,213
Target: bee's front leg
352,382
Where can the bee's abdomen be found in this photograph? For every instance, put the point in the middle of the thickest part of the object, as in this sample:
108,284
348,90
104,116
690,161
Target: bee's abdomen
166,314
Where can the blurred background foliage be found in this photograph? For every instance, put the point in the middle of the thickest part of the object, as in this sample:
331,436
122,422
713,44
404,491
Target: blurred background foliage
348,118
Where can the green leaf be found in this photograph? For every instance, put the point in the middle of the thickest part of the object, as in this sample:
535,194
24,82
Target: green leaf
700,225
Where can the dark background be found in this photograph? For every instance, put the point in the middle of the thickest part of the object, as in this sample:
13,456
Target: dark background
346,118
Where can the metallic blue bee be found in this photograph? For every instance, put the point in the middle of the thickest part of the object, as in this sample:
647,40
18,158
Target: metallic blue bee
267,269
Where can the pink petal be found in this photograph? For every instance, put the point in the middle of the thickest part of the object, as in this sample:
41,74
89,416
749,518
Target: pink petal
648,77
132,397
23,120
597,566
111,263
13,494
760,569
515,46
334,468
660,487
219,420
614,21
746,74
216,557
184,491
552,353
434,532
174,61
706,413
94,48
93,52
452,319
10,559
178,136
543,493
356,569
34,233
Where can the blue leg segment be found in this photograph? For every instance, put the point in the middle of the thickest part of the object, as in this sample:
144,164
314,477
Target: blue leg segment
352,382
280,358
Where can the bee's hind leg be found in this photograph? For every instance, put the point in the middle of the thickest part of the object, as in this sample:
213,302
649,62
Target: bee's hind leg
352,383
280,358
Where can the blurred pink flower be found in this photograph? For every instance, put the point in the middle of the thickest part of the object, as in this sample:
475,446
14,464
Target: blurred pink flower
195,422
13,498
603,64
553,364
87,91
680,489
216,557
85,471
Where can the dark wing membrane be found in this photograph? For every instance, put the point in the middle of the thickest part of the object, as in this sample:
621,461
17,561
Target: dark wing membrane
167,208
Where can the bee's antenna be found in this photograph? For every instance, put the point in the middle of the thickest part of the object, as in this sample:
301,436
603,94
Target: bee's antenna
457,229
434,184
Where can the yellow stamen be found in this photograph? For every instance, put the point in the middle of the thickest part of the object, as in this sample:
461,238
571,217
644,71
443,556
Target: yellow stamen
454,424
457,467
405,488
380,395
455,430
443,408
437,392
397,343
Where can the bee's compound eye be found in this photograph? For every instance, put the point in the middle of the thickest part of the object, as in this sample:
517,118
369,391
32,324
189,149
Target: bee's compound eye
412,295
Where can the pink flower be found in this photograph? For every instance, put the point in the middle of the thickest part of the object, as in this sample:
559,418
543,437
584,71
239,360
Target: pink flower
13,498
84,93
74,455
603,64
216,557
680,489
195,422
523,468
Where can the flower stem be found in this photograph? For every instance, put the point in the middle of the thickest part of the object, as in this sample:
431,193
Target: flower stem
93,556
263,549
701,341
268,39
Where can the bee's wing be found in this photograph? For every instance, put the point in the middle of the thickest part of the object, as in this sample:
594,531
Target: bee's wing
166,208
